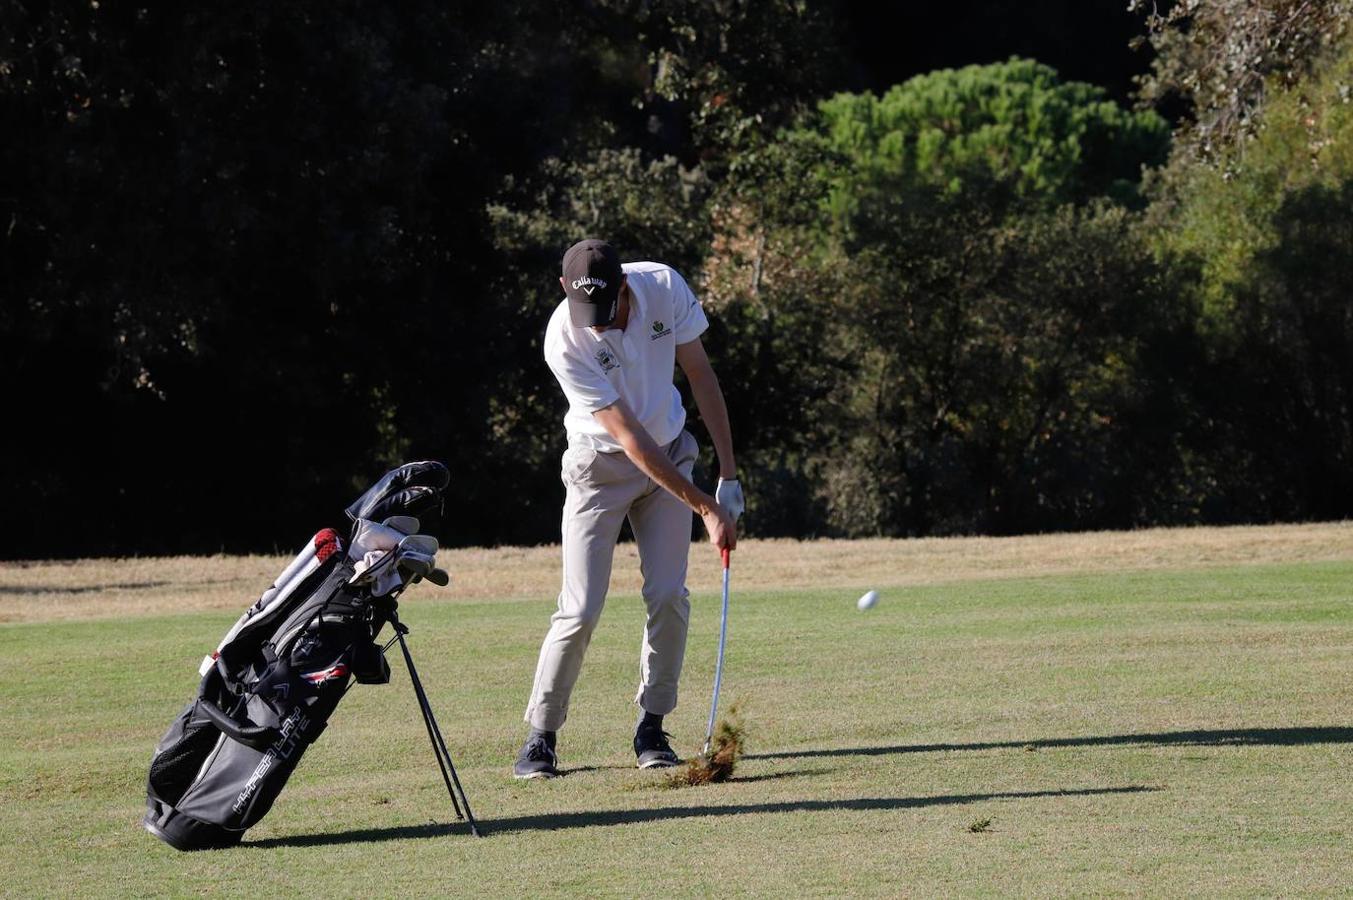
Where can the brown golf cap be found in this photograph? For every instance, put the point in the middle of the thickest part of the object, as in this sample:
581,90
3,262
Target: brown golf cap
592,282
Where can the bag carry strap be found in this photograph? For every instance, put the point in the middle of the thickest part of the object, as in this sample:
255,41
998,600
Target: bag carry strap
259,737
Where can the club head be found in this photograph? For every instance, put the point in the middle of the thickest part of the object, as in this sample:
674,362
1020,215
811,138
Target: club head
439,577
424,544
417,555
415,565
403,524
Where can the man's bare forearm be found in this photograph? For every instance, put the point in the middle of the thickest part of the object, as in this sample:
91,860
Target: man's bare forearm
620,423
709,400
714,413
644,452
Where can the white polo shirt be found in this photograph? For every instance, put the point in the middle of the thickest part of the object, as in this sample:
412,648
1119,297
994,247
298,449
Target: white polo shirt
636,365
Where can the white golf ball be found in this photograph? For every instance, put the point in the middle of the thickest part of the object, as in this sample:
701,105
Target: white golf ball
868,600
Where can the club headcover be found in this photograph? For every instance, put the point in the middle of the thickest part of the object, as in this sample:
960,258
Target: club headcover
368,536
413,489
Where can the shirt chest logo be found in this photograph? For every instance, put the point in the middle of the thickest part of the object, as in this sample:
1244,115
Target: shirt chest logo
607,360
659,330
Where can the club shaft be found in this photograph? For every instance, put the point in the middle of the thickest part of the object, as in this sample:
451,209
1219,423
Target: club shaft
718,666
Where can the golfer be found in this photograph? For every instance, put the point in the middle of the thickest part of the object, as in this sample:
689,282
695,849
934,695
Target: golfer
613,345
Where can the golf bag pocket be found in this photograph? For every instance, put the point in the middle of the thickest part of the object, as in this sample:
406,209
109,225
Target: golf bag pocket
181,753
369,665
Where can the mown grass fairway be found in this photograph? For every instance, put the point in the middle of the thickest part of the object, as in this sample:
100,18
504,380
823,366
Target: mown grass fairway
1163,728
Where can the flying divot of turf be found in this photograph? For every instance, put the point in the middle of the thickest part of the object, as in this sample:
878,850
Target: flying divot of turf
717,765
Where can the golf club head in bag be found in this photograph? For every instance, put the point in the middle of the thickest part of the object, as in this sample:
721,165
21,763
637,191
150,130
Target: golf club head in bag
268,689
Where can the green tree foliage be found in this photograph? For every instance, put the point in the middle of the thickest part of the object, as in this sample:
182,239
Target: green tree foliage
1222,209
1266,218
736,69
241,239
1221,58
209,217
970,331
262,240
1281,386
996,365
936,359
1012,126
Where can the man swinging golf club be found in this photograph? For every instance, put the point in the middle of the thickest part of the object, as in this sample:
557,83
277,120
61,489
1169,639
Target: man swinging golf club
613,344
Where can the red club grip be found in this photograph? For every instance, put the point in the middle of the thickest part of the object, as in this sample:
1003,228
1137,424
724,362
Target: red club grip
723,551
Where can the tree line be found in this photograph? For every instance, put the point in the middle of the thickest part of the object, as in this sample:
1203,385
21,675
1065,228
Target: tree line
253,256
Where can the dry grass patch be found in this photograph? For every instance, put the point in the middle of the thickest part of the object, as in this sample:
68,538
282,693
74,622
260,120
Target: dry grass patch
41,591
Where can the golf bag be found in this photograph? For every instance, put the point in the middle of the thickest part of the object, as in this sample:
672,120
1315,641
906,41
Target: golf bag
269,688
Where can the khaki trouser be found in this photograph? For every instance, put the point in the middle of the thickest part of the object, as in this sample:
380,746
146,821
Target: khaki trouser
604,488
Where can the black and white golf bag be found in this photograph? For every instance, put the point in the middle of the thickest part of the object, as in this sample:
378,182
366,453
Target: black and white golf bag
268,689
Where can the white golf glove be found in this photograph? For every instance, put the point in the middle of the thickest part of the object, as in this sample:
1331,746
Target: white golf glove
729,495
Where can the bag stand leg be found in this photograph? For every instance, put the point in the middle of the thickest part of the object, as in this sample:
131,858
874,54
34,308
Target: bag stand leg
443,755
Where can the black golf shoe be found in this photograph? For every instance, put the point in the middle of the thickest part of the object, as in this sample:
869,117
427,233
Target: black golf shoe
652,749
537,758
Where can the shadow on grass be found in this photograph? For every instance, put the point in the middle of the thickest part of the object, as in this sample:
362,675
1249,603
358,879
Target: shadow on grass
583,770
1242,737
20,590
776,776
601,818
